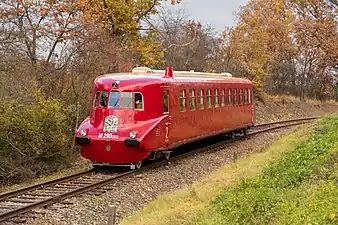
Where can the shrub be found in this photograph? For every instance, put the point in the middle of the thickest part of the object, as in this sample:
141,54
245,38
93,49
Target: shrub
34,138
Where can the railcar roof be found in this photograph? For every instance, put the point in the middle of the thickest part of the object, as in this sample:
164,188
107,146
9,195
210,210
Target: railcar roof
132,79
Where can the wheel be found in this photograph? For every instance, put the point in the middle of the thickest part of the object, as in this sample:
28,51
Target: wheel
152,156
245,132
138,164
232,135
95,166
167,155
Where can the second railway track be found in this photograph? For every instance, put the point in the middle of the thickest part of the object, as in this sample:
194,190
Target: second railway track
23,200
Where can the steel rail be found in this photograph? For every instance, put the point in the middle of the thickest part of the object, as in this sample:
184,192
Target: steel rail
67,194
17,192
287,121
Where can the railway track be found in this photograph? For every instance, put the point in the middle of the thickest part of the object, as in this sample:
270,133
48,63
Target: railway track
17,202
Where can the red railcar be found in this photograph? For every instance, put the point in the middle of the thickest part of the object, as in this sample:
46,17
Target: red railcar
136,115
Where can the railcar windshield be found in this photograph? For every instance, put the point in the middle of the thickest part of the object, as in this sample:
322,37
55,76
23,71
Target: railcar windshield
117,100
114,100
126,100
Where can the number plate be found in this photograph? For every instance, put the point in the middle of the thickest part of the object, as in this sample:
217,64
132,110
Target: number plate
108,136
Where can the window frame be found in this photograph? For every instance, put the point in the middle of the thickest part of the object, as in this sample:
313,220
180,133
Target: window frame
209,98
250,96
230,101
245,96
110,107
222,97
183,97
167,91
107,100
96,100
240,94
200,96
192,99
134,101
216,98
121,102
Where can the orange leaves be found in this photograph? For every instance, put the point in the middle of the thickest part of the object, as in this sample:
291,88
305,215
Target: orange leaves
300,33
118,15
44,12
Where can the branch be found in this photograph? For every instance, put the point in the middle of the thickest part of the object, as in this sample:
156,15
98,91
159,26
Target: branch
62,66
11,144
182,45
110,16
146,12
58,38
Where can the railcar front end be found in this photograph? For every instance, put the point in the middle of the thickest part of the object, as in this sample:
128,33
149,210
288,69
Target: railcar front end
112,134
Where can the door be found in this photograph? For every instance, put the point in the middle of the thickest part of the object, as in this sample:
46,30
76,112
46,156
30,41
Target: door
166,111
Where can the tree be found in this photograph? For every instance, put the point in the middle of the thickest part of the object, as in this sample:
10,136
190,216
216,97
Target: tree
287,46
187,44
261,34
122,20
36,28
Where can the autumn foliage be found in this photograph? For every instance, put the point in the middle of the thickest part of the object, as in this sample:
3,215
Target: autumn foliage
51,51
287,46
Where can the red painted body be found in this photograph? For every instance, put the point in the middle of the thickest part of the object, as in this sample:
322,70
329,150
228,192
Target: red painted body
158,130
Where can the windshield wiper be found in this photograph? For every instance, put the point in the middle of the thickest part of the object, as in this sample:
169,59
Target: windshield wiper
116,102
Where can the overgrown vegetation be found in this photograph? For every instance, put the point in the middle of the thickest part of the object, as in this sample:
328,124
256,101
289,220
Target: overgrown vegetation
34,137
299,188
58,47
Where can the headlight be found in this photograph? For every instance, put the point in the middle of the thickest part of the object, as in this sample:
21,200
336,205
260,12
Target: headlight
83,132
133,134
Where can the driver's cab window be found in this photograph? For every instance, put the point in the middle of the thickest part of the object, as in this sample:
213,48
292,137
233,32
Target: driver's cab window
97,99
104,99
126,100
139,105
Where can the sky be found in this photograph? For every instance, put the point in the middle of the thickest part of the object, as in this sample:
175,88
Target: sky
217,13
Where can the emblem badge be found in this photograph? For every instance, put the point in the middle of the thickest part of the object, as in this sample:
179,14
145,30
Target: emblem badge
110,124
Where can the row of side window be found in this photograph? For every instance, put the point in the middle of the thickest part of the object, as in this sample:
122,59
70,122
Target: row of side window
221,98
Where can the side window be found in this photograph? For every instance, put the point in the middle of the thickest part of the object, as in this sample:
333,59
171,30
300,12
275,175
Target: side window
96,99
126,100
165,99
201,99
209,104
229,97
216,98
235,96
182,101
245,96
240,96
223,97
104,99
192,99
138,101
249,95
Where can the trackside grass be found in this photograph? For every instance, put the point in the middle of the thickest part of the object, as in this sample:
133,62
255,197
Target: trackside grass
293,181
301,187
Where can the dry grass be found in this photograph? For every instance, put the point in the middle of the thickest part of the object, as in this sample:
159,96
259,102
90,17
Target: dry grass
189,205
292,99
80,165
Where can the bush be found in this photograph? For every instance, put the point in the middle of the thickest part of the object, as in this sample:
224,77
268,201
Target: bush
34,138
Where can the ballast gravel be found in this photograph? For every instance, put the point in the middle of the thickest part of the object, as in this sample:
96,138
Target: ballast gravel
131,194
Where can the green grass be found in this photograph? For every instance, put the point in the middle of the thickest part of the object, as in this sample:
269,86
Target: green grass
293,181
299,188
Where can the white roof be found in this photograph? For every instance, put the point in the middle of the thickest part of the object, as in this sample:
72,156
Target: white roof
190,74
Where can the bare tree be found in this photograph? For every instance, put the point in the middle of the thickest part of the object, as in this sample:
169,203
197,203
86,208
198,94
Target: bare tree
187,44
